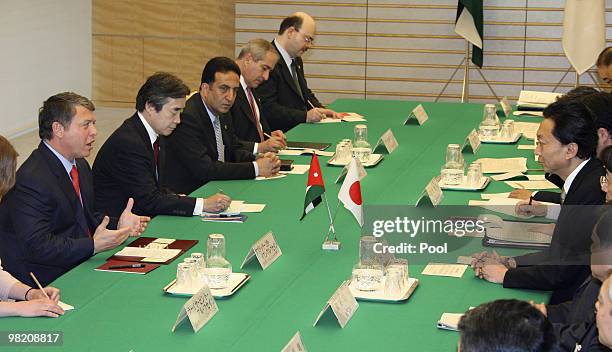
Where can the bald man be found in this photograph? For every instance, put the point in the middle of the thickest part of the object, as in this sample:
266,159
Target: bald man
286,96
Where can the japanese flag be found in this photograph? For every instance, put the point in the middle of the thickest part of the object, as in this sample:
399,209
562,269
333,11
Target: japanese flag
350,192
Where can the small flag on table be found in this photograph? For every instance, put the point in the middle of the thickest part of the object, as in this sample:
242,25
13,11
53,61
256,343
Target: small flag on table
315,187
350,192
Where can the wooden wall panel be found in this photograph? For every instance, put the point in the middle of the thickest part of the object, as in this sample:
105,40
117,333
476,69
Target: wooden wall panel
408,49
133,39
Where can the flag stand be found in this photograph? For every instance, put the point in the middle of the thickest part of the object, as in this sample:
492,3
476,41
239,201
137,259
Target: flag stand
465,89
577,79
333,244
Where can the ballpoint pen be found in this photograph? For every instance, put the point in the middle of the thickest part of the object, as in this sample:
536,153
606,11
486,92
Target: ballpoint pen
127,266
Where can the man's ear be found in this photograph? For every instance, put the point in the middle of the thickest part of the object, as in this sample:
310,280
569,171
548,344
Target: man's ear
572,151
150,108
57,129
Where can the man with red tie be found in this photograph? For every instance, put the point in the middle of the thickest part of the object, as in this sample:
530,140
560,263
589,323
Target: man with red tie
131,162
256,59
49,214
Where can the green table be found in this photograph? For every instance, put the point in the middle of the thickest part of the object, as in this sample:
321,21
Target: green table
122,312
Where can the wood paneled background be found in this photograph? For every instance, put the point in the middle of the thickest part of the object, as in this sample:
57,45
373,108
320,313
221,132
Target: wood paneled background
364,48
134,38
408,49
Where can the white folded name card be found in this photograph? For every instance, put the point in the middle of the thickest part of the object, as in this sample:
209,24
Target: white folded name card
295,344
418,113
343,305
388,141
200,308
506,106
472,141
431,193
266,250
360,170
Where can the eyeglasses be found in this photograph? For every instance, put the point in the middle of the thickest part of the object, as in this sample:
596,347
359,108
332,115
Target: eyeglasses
603,180
308,39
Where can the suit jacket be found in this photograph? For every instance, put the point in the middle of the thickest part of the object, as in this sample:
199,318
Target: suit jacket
125,167
565,264
243,122
192,151
573,321
548,196
284,105
44,224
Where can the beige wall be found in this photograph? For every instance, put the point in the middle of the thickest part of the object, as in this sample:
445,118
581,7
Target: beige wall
408,49
45,48
134,38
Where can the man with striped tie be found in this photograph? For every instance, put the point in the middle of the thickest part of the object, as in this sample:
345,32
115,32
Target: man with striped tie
204,147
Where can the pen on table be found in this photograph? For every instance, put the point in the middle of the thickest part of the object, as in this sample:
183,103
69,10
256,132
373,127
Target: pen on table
220,191
38,284
126,266
267,135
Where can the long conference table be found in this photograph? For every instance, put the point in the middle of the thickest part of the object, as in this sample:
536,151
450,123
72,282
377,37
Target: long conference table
125,312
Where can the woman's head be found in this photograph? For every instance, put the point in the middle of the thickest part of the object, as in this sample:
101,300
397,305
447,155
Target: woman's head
8,165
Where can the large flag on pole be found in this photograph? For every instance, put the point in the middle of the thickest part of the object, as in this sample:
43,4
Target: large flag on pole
469,25
584,32
315,187
350,192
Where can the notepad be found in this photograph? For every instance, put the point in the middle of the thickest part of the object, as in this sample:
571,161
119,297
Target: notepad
532,184
152,255
502,165
440,269
297,170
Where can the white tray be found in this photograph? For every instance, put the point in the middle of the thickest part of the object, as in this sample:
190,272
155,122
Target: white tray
499,140
380,296
374,160
484,181
236,281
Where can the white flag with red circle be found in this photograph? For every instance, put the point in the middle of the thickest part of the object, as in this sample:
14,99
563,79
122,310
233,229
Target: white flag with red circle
350,192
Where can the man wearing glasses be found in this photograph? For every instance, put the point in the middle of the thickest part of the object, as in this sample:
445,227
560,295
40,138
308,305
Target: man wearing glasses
286,96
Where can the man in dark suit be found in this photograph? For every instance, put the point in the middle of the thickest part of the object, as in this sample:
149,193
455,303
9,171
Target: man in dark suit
204,147
600,106
286,97
566,147
50,219
256,59
130,164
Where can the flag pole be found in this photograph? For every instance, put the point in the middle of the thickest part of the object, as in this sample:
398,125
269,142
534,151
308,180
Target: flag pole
577,79
465,91
334,244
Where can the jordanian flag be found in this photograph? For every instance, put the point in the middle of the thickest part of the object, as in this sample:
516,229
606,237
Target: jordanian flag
469,25
315,187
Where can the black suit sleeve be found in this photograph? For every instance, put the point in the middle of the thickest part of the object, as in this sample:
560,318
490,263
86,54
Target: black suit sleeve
279,117
139,183
188,146
31,209
548,196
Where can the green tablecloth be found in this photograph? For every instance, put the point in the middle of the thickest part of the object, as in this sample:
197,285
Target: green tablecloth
122,312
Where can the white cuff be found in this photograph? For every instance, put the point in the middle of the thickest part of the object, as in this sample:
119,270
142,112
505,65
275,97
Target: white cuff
552,211
255,145
199,206
256,168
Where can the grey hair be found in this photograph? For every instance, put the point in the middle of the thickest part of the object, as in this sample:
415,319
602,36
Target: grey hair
258,48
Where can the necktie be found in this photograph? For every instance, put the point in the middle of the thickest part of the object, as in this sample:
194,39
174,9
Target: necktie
74,175
295,77
251,99
156,152
563,196
219,138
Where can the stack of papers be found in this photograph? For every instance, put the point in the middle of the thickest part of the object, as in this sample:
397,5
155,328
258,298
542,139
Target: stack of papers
534,100
149,254
528,129
503,165
502,233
